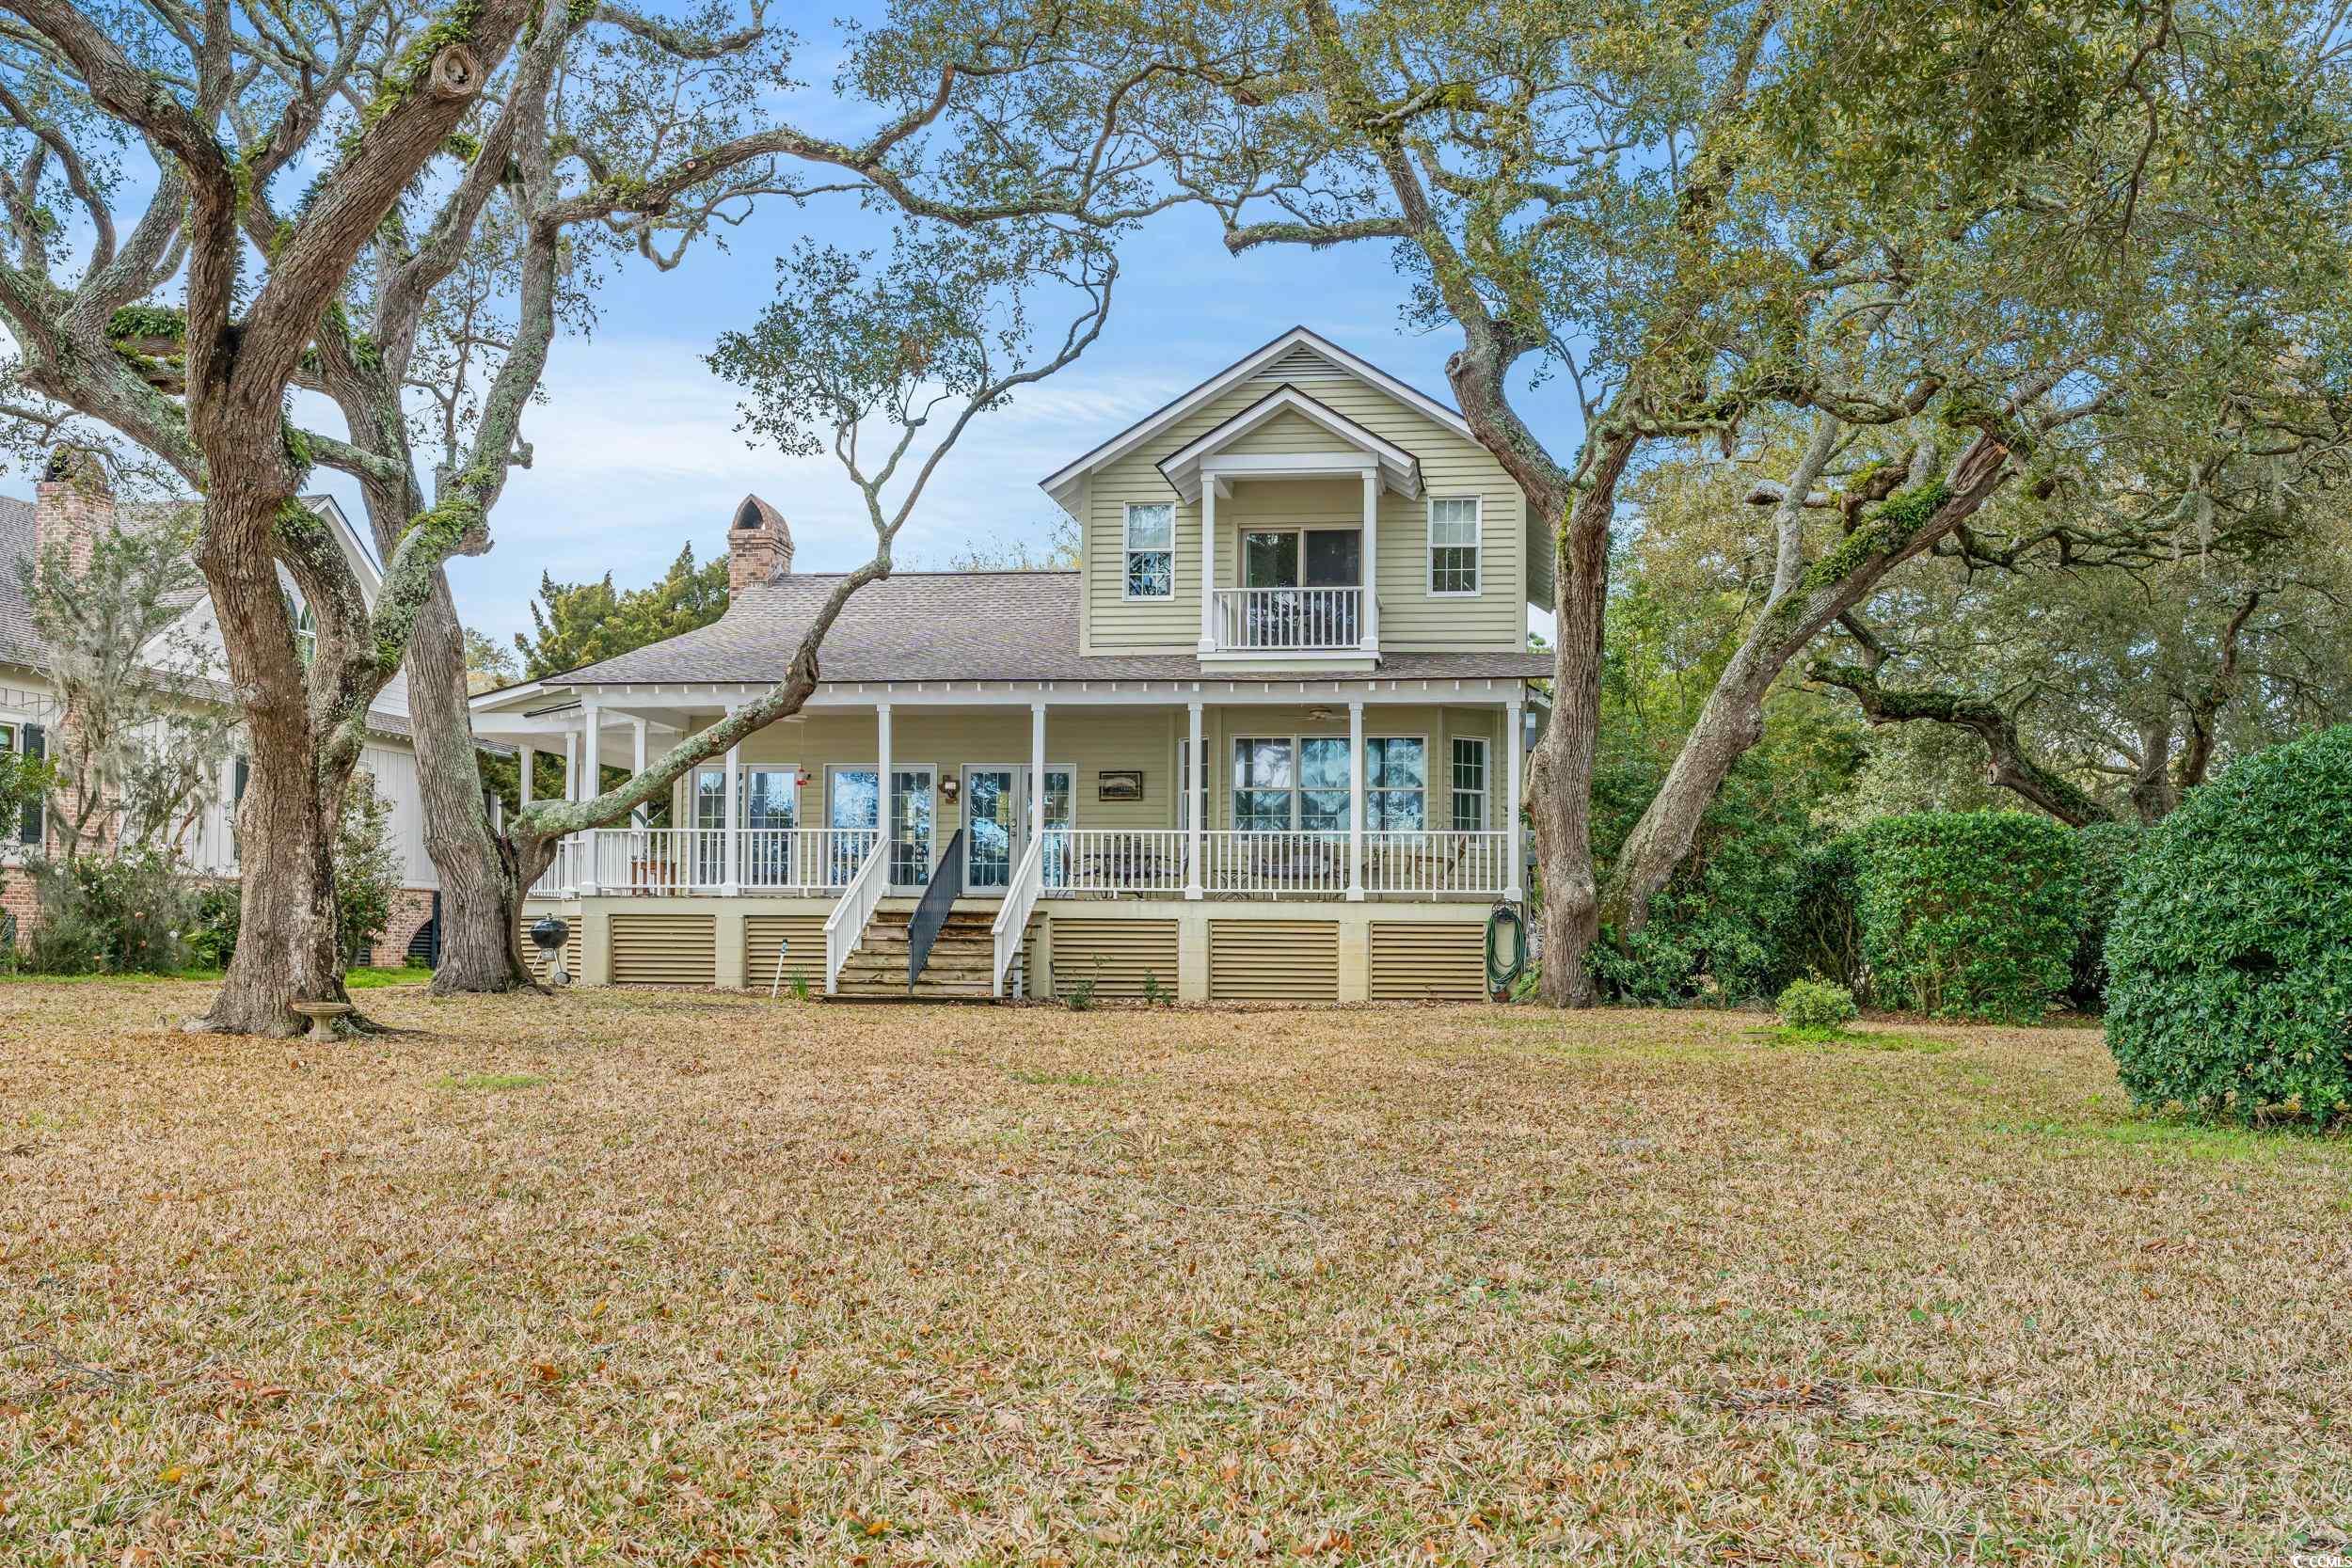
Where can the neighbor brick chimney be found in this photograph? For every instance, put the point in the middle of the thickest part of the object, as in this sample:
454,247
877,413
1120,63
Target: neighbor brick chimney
72,505
759,545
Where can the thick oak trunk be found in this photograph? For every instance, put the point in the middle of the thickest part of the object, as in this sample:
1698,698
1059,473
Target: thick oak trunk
1559,774
288,947
480,900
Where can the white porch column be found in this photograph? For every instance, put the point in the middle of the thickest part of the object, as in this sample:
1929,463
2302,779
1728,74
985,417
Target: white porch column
881,776
1355,803
731,876
1208,564
571,766
589,779
1372,560
1037,772
1196,786
636,764
529,758
1513,717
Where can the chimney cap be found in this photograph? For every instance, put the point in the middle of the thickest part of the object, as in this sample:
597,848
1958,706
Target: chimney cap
83,466
756,514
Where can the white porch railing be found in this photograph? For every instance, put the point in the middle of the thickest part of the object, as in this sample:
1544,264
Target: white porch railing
795,860
1310,864
1081,860
1021,895
1426,865
1070,862
846,926
1290,619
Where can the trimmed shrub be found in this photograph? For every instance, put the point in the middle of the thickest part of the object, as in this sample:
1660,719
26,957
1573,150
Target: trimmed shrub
2106,849
1969,915
2230,955
1817,1007
1718,930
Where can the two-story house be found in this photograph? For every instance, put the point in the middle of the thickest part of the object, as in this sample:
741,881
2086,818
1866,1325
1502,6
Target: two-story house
1265,742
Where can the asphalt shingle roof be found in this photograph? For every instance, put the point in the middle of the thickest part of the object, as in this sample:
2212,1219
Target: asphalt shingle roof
953,625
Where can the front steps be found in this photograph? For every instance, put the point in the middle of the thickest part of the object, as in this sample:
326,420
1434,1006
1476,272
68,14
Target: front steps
958,969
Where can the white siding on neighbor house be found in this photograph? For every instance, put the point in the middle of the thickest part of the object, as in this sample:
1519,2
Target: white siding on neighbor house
395,770
1411,620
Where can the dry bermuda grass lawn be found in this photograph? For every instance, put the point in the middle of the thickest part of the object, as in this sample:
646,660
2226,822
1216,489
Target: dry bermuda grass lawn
627,1277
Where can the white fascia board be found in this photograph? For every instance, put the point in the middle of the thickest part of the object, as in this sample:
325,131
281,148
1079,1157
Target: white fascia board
1236,687
1060,485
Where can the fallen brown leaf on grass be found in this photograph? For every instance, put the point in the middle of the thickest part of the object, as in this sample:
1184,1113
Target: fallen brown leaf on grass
730,1281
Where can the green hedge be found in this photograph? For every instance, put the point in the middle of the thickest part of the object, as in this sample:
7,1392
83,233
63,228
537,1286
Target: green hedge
2108,850
1969,915
2230,955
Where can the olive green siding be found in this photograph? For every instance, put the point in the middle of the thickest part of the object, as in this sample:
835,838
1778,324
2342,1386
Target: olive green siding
1411,620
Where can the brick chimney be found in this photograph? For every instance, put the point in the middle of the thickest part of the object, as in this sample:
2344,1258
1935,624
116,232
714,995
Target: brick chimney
72,504
759,545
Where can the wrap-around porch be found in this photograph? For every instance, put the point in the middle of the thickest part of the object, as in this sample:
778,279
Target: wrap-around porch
1243,793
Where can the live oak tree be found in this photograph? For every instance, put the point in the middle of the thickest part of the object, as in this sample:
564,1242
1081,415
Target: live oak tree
885,363
628,152
1699,216
205,212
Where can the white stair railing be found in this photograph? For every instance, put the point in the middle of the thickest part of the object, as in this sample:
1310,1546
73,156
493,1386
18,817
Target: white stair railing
1013,921
846,926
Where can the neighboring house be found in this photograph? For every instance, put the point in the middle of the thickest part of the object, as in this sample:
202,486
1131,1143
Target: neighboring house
1263,743
66,511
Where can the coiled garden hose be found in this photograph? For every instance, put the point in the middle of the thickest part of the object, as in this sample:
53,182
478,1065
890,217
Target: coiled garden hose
1503,976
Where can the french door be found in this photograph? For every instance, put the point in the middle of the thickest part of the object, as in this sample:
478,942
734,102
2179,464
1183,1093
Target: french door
854,806
996,820
1288,567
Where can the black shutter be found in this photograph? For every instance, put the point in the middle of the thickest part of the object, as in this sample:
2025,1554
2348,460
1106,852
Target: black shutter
29,828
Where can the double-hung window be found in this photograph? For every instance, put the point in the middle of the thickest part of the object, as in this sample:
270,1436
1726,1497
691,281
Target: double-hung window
1151,545
1323,784
1396,784
1470,784
28,740
1454,545
1265,781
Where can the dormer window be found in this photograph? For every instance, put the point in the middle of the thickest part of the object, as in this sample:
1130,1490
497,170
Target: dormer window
306,627
1151,551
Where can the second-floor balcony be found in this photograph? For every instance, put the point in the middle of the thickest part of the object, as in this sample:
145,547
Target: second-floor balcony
1289,620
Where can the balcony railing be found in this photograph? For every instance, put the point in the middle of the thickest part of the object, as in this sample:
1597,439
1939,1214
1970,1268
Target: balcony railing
1083,862
1289,620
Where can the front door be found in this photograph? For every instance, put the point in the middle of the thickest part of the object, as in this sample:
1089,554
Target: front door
996,806
994,824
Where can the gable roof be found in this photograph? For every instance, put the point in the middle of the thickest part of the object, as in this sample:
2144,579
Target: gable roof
933,626
1184,468
1297,354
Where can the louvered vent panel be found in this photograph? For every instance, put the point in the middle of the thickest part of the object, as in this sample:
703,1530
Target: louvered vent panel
1117,955
804,957
1421,960
1301,364
1274,961
665,949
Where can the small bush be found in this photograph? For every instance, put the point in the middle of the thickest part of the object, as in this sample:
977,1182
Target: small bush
123,913
2230,954
1969,915
1817,1007
213,935
2106,849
